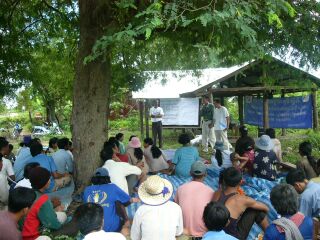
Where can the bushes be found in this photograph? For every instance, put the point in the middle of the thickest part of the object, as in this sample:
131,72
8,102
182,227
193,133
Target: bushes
129,123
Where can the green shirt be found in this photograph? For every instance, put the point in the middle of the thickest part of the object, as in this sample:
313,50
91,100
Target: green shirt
207,112
122,148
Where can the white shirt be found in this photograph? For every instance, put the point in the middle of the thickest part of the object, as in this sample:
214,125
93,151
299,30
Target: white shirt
102,235
24,183
226,162
156,111
118,172
163,222
220,115
7,169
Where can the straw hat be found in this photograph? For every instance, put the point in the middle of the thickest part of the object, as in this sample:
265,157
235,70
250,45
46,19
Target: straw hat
264,143
135,143
155,191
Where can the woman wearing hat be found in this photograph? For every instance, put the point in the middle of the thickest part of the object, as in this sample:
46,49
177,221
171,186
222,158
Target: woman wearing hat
264,165
158,218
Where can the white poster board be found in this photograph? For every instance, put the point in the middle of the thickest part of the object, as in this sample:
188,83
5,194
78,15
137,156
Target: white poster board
180,111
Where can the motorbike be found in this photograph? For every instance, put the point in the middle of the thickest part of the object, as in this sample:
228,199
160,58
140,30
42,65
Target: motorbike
17,129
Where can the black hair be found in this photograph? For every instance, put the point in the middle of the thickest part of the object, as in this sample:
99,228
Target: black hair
217,100
28,168
36,148
53,141
90,217
119,136
132,136
305,149
271,133
106,153
243,131
3,143
10,147
220,181
284,199
206,97
138,153
1,156
216,216
155,151
295,175
232,177
218,156
244,146
63,143
184,138
114,141
20,198
100,180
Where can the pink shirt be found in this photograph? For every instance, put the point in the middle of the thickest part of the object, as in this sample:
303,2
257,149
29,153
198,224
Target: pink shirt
193,197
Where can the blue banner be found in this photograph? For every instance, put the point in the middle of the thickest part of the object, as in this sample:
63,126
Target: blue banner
291,112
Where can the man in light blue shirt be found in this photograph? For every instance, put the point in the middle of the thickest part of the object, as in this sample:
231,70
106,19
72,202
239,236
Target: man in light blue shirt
308,190
22,158
62,158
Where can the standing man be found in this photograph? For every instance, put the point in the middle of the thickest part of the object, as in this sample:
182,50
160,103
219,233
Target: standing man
222,122
156,114
207,112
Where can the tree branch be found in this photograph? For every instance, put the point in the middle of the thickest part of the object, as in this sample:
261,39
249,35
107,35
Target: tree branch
31,24
54,9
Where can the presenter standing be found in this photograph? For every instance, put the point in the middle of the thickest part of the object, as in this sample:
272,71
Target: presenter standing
222,122
156,114
207,112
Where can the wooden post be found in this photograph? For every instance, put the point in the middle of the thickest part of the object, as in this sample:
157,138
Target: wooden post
240,108
141,107
265,111
315,110
146,114
283,130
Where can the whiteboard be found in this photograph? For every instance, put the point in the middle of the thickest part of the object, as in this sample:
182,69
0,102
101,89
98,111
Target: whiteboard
180,111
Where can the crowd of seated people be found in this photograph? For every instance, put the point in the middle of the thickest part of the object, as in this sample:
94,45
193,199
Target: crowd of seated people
132,173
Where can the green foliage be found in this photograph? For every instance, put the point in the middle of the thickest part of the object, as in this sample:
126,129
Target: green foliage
130,123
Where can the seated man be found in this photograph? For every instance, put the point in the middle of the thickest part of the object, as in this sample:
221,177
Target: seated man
216,216
158,217
90,223
20,200
42,213
244,210
192,204
62,158
25,182
285,200
308,190
57,180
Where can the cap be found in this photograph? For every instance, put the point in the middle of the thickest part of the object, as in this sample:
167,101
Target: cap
101,172
198,168
27,139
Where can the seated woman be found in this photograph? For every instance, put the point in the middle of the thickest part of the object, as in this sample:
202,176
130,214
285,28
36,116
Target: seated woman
277,144
155,158
184,157
117,156
292,224
120,138
221,159
264,164
243,140
243,159
308,163
135,154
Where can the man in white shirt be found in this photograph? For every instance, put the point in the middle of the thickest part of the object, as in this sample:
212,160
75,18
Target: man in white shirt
156,114
158,218
222,121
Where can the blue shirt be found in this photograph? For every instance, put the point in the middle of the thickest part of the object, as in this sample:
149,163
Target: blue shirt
47,163
264,165
212,235
310,200
183,158
63,161
21,161
107,195
306,230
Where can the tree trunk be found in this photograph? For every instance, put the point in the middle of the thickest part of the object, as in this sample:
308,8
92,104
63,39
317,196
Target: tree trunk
51,111
91,91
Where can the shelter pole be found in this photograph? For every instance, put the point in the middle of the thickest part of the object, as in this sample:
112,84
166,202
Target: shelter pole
146,115
315,110
265,111
141,107
283,130
240,108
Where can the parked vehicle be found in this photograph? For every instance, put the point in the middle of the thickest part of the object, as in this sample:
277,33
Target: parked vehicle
46,129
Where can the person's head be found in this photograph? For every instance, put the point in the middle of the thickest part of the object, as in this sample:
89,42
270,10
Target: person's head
37,140
184,139
147,142
20,200
155,151
26,141
198,170
70,146
297,179
284,199
264,143
115,143
28,168
217,102
106,153
305,149
36,148
156,103
4,147
53,143
132,136
216,216
243,131
138,153
271,133
120,137
63,143
39,178
89,218
232,177
10,148
101,176
206,100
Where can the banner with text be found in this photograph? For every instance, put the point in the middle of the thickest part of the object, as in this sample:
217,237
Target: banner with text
291,112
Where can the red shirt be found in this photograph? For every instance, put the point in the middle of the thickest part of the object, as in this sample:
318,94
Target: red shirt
123,157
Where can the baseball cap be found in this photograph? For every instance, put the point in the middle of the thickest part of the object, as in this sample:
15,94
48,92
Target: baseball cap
101,172
198,168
